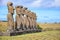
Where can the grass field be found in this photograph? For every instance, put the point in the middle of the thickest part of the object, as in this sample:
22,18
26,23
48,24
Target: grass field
4,26
47,35
49,26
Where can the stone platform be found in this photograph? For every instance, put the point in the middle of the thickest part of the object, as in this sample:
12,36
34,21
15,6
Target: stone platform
23,32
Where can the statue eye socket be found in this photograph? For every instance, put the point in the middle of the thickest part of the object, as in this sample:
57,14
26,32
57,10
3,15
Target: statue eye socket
18,7
21,7
11,4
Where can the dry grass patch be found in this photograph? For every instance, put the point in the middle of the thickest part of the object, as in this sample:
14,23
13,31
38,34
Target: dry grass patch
48,35
50,26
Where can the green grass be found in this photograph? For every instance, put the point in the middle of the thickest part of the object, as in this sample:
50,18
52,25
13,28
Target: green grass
47,35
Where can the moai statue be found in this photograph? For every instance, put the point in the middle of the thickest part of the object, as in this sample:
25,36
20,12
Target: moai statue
30,20
32,16
18,18
26,18
10,17
34,20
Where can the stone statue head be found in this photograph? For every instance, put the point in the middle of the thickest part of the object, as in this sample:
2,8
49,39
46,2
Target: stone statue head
10,7
17,6
19,9
21,6
34,15
9,4
29,14
25,8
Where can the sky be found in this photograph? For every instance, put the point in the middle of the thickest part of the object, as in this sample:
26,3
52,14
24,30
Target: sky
46,10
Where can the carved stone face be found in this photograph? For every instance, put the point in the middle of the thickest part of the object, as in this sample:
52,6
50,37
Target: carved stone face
25,11
34,15
25,8
21,6
17,6
22,10
10,7
30,14
9,3
19,9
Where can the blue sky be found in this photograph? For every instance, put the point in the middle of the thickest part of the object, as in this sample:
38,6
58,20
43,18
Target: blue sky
46,10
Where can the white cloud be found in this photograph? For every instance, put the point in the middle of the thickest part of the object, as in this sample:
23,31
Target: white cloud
36,3
15,2
57,3
46,3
